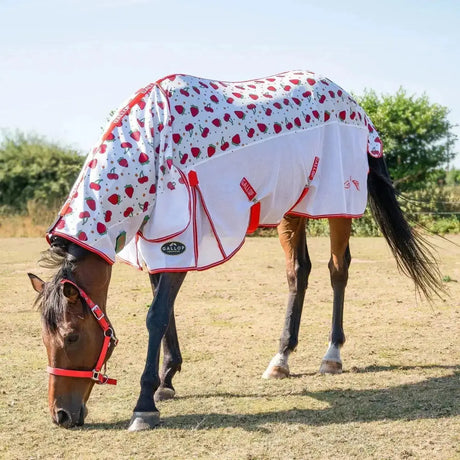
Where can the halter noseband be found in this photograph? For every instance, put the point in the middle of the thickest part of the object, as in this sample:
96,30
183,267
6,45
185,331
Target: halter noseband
109,335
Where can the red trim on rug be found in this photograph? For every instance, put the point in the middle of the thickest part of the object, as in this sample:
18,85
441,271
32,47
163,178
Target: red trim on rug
126,109
326,216
301,197
170,77
83,245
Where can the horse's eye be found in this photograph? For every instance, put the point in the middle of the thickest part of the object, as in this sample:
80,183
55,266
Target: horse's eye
71,339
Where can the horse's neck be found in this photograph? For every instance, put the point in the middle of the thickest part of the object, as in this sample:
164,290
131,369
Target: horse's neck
93,274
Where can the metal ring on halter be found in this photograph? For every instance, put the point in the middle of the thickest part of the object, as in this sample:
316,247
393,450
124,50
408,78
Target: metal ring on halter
109,333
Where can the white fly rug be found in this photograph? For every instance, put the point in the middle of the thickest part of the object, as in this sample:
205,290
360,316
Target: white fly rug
188,164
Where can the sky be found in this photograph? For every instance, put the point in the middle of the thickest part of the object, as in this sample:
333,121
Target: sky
65,64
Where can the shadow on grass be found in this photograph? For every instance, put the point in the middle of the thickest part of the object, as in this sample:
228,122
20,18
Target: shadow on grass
430,399
359,370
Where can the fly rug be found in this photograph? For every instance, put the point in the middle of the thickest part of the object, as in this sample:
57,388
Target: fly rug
188,166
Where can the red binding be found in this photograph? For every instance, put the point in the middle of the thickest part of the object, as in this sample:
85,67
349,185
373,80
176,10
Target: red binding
109,335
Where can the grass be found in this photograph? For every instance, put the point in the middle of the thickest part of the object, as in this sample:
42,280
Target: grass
398,396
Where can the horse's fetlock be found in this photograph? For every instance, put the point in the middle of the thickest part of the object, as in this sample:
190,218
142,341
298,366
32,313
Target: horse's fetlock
337,338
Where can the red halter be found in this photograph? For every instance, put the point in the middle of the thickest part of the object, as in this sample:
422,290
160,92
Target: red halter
109,335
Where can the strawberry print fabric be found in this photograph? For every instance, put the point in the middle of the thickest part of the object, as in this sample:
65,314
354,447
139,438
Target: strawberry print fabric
185,163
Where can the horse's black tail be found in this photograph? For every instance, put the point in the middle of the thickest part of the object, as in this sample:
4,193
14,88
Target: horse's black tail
412,253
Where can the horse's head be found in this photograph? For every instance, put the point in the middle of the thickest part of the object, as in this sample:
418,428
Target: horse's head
77,335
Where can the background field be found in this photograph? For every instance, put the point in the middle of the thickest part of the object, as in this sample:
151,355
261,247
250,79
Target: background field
398,397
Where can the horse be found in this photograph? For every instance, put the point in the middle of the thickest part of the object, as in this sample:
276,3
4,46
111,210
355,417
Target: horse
185,169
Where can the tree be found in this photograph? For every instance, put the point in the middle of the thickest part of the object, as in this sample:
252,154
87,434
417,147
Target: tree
34,169
416,134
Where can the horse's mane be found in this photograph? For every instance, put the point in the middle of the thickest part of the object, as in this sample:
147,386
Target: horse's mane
62,257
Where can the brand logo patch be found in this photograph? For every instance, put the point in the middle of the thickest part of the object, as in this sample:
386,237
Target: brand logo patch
247,188
173,248
314,168
347,184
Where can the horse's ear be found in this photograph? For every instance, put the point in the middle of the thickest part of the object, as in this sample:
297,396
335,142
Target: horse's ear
37,283
70,292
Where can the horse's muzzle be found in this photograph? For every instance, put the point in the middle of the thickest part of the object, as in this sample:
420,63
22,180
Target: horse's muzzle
66,419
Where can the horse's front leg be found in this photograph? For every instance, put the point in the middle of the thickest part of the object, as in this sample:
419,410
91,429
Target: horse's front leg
172,362
145,414
292,236
339,263
172,357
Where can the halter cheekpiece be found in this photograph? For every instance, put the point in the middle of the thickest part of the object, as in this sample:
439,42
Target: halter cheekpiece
109,336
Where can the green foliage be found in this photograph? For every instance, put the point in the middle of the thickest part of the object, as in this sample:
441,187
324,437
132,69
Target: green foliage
453,177
433,208
317,227
431,200
365,226
32,169
416,134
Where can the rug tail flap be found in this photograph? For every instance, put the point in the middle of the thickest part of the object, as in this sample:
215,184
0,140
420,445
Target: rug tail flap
340,178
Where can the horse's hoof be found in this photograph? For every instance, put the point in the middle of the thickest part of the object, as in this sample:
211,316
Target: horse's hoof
141,421
330,367
276,372
164,393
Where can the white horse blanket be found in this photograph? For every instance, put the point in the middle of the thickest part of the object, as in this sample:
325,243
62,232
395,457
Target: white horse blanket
187,164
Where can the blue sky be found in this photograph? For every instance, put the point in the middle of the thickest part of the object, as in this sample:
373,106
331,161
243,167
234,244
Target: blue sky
66,63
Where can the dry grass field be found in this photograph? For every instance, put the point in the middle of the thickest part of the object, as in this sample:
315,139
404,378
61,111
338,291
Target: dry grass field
398,397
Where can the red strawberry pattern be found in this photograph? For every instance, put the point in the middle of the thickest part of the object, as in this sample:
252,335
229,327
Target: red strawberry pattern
170,126
293,100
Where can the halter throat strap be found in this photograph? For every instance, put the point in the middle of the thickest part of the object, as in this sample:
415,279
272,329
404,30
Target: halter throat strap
109,337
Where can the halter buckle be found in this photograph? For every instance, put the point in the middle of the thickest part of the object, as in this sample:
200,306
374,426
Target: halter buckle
97,312
99,378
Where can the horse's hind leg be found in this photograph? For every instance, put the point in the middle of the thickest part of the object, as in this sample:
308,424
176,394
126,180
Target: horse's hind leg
339,262
167,285
292,236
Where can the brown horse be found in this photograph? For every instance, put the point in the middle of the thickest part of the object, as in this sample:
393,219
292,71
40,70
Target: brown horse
76,331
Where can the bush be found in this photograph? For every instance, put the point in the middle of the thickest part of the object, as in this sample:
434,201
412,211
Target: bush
34,169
